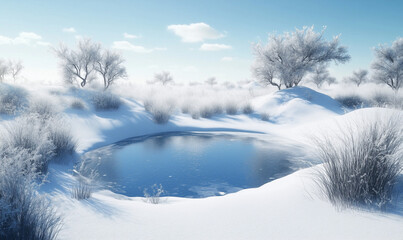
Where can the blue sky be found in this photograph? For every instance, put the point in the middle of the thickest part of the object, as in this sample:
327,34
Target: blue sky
193,40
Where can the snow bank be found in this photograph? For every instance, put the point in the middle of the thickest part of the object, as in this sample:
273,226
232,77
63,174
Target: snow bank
297,105
287,208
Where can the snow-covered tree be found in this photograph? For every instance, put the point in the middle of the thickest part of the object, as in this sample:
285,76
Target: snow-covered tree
211,81
331,80
388,64
110,66
15,68
228,84
164,77
79,64
286,59
360,76
4,69
321,75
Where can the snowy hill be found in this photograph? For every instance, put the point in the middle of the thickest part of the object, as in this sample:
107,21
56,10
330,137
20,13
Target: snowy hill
297,104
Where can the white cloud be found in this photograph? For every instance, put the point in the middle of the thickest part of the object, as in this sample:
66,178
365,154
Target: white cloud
29,35
195,32
69,30
5,40
130,36
227,59
25,38
125,45
214,47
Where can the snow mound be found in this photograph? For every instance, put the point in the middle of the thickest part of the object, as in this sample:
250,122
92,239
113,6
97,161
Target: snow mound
296,105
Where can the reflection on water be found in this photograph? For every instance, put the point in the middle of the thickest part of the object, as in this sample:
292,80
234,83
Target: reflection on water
190,164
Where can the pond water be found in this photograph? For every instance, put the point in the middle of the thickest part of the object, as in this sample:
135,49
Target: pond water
190,164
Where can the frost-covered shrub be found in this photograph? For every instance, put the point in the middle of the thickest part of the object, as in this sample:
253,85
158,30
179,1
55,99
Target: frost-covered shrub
351,101
194,99
62,139
29,133
25,151
154,196
43,108
104,101
195,114
379,99
247,108
185,108
24,214
86,176
206,112
160,116
160,111
82,190
217,109
77,104
12,99
362,162
265,117
44,139
231,108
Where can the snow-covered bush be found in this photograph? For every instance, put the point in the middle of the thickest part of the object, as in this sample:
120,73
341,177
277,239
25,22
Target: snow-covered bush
154,196
231,108
195,114
351,101
160,111
77,104
362,162
86,176
26,148
206,112
24,214
29,133
82,190
195,100
382,99
265,117
61,138
185,108
247,108
12,99
379,99
104,101
43,108
44,139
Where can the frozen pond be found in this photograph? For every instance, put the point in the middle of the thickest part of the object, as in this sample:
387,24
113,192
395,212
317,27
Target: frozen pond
191,164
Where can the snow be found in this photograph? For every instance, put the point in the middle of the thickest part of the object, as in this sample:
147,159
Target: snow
298,104
287,208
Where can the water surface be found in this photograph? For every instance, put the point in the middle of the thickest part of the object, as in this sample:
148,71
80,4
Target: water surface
191,164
